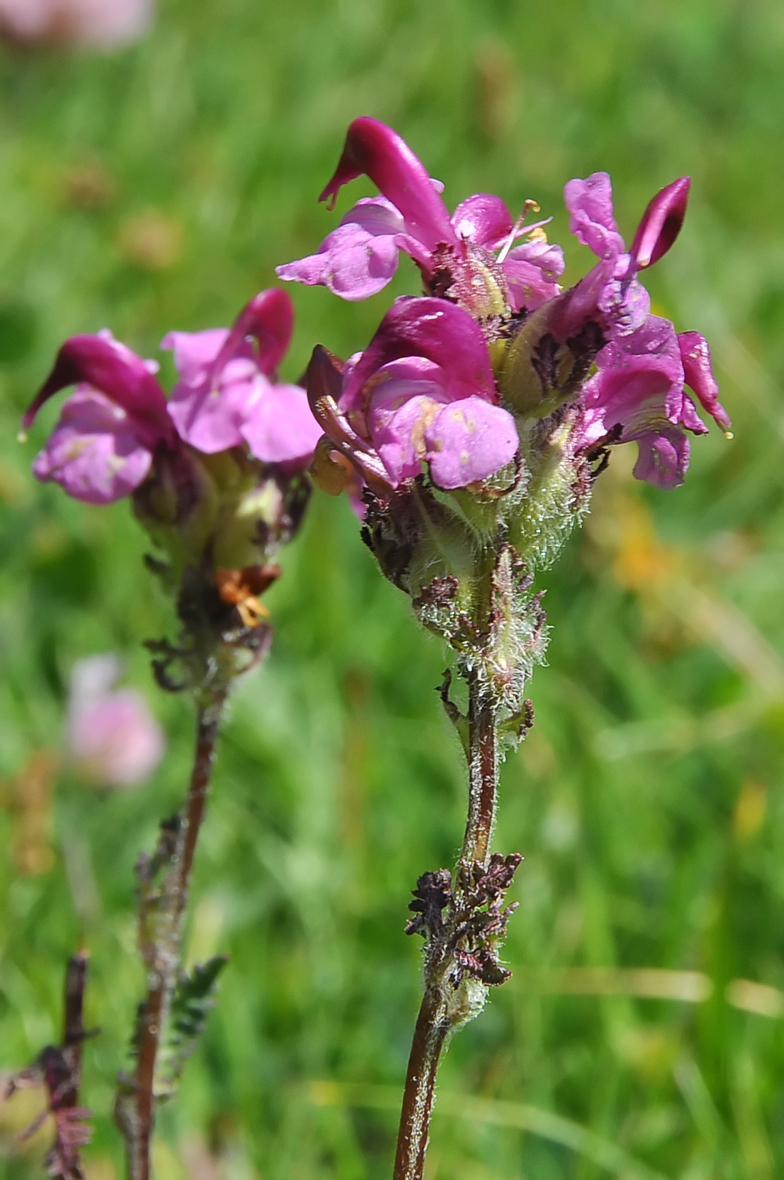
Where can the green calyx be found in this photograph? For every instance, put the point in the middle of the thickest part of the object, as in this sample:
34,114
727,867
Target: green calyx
222,511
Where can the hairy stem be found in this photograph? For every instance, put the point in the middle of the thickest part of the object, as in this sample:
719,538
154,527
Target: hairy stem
165,958
438,1014
430,1034
482,774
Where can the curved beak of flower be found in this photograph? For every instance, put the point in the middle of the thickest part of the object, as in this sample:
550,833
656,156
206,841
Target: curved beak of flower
375,150
269,319
122,376
661,223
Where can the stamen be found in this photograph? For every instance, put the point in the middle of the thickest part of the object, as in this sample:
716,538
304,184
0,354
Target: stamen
519,227
22,436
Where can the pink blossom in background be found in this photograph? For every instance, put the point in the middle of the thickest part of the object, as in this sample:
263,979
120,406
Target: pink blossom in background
101,23
113,738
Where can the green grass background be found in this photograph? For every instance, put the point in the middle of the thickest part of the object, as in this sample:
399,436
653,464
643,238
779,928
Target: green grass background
157,188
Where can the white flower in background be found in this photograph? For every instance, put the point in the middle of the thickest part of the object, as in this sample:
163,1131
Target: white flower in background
113,739
84,22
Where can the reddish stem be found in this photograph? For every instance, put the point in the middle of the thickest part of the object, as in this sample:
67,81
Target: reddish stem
163,976
434,1022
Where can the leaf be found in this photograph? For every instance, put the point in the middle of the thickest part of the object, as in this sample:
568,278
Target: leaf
193,998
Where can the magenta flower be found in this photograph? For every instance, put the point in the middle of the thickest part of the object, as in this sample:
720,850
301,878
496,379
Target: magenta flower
113,739
422,392
111,429
620,297
102,448
227,395
638,391
360,257
637,394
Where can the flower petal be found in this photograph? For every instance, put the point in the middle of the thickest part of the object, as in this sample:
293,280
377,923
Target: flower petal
661,223
532,270
223,376
194,352
376,215
357,259
663,458
698,372
375,150
434,329
352,263
592,221
281,428
94,452
209,415
398,433
483,219
469,440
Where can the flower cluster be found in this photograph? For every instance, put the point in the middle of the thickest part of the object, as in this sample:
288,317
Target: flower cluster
472,424
391,397
479,414
216,472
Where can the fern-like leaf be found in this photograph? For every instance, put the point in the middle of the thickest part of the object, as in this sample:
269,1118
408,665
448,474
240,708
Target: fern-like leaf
193,998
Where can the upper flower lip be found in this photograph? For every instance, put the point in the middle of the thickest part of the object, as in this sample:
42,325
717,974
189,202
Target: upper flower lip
432,328
379,152
660,223
269,319
105,364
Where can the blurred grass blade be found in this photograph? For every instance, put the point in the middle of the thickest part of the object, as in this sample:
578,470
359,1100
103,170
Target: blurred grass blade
532,1120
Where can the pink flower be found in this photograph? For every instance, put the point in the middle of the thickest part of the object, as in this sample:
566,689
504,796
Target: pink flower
102,448
621,297
118,423
638,391
113,739
422,392
228,396
360,257
637,394
87,22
